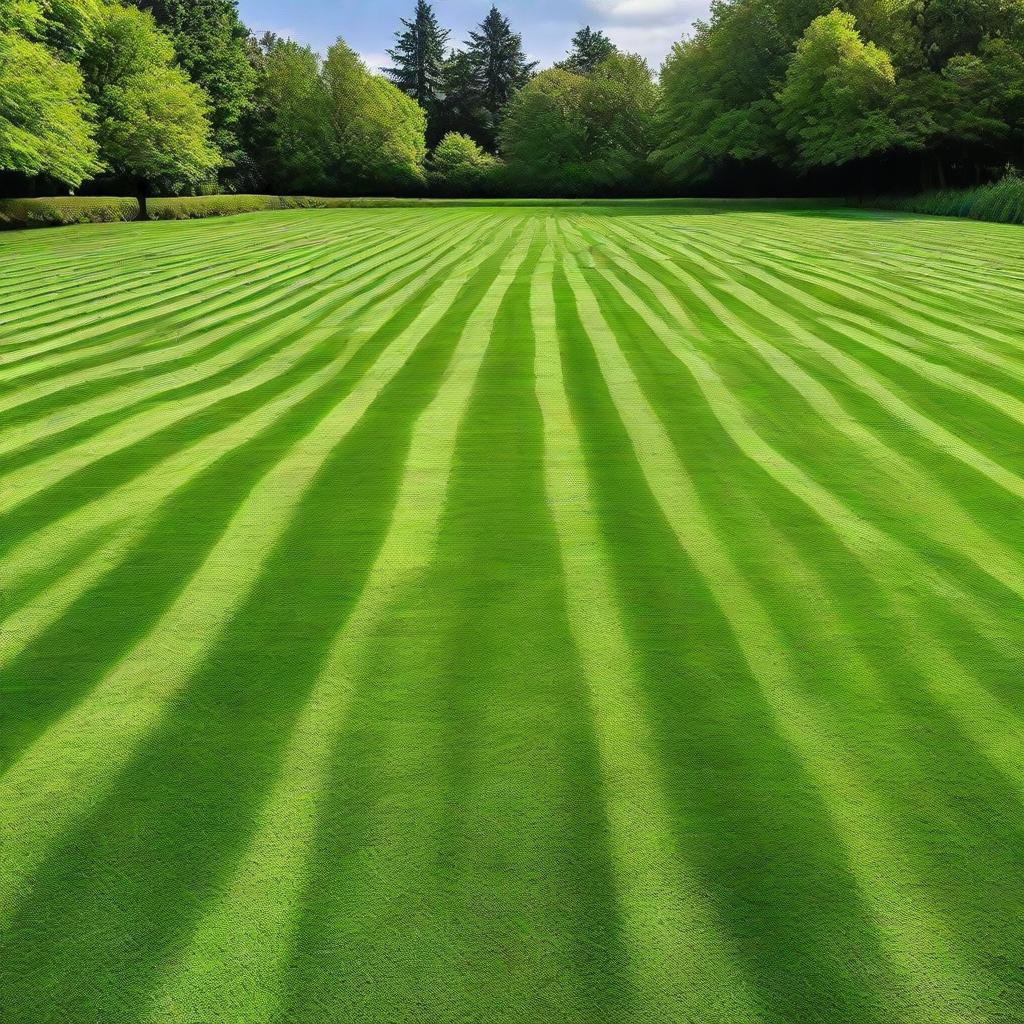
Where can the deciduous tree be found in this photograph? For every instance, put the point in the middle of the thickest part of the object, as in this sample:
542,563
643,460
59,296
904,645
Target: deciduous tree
151,119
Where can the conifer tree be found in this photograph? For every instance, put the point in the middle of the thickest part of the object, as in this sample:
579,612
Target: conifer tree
589,48
500,67
418,55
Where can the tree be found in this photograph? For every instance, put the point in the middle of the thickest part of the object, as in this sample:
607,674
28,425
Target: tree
500,66
589,48
152,125
619,105
210,42
418,58
290,123
836,104
377,132
569,133
459,108
65,26
44,114
718,106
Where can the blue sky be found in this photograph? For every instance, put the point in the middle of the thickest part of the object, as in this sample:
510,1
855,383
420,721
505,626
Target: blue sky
648,27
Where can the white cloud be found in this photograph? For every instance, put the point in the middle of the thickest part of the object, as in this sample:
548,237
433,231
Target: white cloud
647,27
636,10
650,41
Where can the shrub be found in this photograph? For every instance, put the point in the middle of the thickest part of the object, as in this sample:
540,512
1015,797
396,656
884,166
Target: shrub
29,213
458,166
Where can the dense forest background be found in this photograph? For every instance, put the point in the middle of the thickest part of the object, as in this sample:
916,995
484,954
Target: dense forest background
766,97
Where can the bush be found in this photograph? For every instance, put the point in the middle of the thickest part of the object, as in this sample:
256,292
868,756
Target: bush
458,166
1001,202
30,213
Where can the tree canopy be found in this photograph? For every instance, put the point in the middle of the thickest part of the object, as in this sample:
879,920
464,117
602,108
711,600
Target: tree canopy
151,119
578,134
45,124
762,96
210,44
805,84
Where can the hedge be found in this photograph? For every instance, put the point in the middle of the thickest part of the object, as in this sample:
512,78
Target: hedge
37,213
29,213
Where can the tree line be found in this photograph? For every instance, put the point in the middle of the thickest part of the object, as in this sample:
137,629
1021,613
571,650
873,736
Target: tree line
178,96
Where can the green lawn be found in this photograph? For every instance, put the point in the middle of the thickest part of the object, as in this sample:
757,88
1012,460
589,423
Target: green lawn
481,614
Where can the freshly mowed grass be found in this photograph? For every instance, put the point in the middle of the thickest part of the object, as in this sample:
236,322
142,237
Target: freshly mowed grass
512,614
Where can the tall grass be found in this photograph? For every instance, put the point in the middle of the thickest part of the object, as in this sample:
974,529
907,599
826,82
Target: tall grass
1002,202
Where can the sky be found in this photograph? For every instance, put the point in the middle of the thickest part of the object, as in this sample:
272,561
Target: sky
648,27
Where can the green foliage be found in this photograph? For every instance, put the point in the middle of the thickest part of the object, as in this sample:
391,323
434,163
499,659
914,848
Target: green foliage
151,120
418,59
718,89
293,118
67,25
836,104
44,114
210,42
589,48
458,165
377,132
460,107
328,126
63,210
820,83
566,133
544,130
500,69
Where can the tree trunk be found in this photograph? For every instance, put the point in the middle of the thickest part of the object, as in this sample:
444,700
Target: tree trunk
926,173
142,193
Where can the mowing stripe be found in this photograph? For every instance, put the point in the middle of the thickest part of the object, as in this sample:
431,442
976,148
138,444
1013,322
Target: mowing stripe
869,383
951,525
678,955
46,473
999,732
945,322
863,329
209,330
113,331
919,943
266,884
139,501
155,339
58,778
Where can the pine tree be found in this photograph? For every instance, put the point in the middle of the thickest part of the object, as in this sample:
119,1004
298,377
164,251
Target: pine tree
418,56
500,65
589,48
459,109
